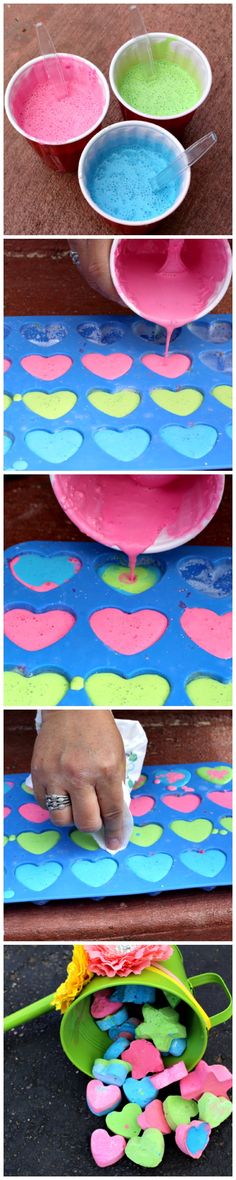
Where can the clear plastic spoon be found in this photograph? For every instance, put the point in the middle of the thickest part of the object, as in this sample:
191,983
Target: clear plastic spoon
184,160
53,67
144,52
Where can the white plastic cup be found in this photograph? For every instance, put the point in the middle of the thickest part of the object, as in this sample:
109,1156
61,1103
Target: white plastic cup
207,248
120,133
182,48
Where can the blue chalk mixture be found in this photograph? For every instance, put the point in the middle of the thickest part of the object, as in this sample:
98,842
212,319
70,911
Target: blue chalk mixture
122,182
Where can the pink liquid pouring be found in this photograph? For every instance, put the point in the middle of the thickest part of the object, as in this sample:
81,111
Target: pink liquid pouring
139,513
44,116
170,282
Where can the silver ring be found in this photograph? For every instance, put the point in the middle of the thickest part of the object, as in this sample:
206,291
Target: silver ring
57,802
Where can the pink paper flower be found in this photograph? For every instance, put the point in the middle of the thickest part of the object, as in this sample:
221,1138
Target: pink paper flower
125,958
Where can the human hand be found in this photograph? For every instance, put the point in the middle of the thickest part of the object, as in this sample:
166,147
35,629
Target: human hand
81,753
94,264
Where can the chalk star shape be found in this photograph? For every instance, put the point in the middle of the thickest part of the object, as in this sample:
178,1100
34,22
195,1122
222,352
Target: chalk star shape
143,1058
160,1026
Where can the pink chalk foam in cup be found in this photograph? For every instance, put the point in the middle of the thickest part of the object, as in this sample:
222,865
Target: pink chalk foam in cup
58,128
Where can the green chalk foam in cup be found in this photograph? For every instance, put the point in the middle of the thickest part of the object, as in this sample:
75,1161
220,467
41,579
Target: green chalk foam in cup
172,87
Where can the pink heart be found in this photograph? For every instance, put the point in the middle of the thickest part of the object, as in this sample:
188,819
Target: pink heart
102,1006
6,812
110,367
223,798
46,368
153,1116
128,634
142,804
34,631
6,364
208,630
173,365
101,1099
106,1149
33,813
184,803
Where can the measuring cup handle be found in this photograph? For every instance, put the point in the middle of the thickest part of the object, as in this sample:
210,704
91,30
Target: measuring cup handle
212,977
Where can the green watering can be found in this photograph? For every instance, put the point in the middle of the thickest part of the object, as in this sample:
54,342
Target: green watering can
82,1040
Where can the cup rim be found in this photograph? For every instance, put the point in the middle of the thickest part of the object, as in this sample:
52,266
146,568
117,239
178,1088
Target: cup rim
108,216
75,138
212,302
161,37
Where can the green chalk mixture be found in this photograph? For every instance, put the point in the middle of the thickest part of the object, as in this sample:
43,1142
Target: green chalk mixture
169,90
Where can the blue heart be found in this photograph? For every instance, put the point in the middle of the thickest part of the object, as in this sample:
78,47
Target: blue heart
220,362
38,333
38,877
100,333
202,575
141,1092
154,332
54,448
163,777
229,430
8,894
8,442
8,786
214,331
192,441
152,868
125,445
34,570
95,874
205,864
197,1138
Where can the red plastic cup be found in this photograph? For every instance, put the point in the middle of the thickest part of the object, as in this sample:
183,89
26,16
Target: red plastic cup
61,157
185,51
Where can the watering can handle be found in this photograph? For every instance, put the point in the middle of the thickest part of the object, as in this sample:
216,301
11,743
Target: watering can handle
28,1013
212,977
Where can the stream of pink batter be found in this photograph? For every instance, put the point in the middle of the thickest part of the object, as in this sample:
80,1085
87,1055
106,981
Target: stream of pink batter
50,119
133,512
170,282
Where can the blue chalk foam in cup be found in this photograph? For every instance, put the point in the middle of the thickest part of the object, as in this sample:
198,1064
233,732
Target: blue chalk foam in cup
120,173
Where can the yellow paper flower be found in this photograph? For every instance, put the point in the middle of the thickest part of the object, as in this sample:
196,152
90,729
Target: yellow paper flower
78,973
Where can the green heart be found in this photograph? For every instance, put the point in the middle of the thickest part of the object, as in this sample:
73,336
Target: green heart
50,405
178,1111
29,790
223,393
38,842
195,830
160,1026
39,691
146,835
214,1110
184,402
6,401
227,822
84,840
107,689
124,1122
117,405
209,774
144,578
148,1151
205,690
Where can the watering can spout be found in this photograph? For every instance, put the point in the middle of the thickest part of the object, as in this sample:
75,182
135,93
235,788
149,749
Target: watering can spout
29,1013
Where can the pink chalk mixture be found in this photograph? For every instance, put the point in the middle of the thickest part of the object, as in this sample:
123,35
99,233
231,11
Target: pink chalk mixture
45,117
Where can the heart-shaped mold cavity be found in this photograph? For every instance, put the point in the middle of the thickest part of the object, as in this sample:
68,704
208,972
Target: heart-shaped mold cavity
83,840
196,830
205,863
172,366
153,868
123,445
38,843
183,403
8,786
94,873
146,834
210,631
6,812
33,813
34,692
50,405
147,331
229,430
142,805
207,577
173,778
118,576
223,394
227,821
109,368
6,364
6,402
32,631
54,448
214,331
100,333
41,573
116,405
219,362
46,368
216,774
7,331
205,691
37,878
192,441
222,798
185,804
111,690
48,334
8,440
128,634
